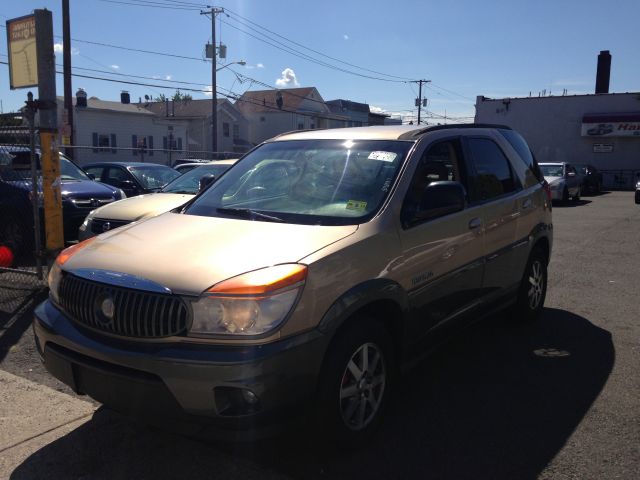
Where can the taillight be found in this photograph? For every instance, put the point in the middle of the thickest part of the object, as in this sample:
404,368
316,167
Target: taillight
547,190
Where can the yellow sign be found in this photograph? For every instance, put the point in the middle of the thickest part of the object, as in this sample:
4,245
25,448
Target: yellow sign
23,58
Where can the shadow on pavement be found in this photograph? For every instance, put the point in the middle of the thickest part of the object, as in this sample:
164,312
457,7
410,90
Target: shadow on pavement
16,314
497,402
571,203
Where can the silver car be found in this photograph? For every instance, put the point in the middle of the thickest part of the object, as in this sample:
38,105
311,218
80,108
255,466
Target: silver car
172,195
563,179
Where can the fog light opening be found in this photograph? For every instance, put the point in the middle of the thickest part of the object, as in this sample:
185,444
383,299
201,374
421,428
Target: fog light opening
235,401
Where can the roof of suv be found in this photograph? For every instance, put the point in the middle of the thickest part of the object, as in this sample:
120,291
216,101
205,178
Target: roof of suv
383,132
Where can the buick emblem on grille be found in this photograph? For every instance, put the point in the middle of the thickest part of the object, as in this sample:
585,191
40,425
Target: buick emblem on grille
95,202
107,307
106,227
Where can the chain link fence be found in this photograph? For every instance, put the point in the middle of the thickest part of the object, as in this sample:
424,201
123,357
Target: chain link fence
21,273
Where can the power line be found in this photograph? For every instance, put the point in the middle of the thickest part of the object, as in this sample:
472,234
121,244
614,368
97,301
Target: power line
142,3
308,48
304,56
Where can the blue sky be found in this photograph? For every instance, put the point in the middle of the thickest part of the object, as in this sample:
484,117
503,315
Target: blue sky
467,48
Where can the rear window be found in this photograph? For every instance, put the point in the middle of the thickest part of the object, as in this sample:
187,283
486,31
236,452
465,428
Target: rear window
532,174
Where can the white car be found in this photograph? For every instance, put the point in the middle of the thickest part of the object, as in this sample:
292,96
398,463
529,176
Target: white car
175,193
563,179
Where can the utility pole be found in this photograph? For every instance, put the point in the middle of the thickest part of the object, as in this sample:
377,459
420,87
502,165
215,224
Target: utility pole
214,56
420,102
66,70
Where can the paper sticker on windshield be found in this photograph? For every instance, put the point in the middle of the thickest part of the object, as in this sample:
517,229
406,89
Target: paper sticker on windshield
383,156
356,205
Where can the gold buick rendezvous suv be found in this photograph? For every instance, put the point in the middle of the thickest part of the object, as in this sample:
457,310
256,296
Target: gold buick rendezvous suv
303,288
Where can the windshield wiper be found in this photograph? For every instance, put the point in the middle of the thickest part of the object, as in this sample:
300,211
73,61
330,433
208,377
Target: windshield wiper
187,192
248,213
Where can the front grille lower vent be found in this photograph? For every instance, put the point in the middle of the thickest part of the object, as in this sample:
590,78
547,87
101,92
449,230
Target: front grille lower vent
123,311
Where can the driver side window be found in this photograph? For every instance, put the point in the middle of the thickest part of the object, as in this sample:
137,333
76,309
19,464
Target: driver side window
442,161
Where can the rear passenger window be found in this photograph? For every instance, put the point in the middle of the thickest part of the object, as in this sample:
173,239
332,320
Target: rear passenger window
96,172
492,177
533,175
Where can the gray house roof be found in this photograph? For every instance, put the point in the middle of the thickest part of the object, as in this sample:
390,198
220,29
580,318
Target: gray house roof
94,103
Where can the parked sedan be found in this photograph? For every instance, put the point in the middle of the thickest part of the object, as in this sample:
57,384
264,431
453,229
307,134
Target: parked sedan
174,194
591,178
563,180
80,194
134,178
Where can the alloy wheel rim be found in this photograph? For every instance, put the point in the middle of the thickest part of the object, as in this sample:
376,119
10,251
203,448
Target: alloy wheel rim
362,387
536,285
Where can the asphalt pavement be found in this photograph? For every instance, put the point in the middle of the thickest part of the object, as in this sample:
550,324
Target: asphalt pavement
555,399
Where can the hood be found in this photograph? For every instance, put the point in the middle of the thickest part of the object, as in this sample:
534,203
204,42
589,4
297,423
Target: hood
87,188
189,253
551,180
142,206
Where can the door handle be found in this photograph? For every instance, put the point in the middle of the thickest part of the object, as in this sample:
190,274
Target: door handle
475,223
526,204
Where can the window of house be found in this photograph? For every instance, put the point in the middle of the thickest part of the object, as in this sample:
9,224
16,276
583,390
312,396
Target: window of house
301,126
236,131
102,142
225,129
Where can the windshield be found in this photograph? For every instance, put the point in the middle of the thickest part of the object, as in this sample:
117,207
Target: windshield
329,182
189,182
154,176
69,170
551,170
17,166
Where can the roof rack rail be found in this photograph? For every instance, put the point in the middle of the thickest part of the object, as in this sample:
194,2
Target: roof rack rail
431,128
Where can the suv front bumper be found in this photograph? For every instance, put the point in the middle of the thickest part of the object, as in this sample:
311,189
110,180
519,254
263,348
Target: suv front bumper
184,382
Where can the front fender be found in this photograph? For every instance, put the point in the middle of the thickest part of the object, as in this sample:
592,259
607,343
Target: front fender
360,296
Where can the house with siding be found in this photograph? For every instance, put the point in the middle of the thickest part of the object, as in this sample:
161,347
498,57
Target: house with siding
121,131
233,128
272,112
357,113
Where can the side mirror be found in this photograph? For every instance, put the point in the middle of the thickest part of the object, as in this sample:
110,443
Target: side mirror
127,184
571,174
438,199
91,176
206,181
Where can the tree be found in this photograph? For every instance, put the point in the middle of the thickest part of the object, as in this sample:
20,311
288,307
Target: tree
179,96
161,98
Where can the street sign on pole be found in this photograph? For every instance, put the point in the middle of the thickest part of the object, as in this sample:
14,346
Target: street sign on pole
23,55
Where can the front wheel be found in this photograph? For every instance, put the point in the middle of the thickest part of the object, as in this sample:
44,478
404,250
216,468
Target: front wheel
533,287
355,383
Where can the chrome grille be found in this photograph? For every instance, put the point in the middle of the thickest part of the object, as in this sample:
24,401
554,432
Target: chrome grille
98,225
91,202
135,313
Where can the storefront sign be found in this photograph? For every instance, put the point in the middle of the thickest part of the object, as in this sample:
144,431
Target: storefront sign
602,147
23,58
625,124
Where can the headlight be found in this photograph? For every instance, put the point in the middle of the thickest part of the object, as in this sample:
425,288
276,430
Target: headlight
86,223
249,304
55,273
638,184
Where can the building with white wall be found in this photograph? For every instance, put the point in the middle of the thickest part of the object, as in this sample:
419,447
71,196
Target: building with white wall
599,129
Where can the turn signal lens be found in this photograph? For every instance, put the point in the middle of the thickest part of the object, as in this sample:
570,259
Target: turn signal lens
67,253
262,281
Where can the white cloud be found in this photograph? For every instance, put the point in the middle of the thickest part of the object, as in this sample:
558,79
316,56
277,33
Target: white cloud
345,36
115,67
207,91
259,65
374,109
58,48
168,77
288,79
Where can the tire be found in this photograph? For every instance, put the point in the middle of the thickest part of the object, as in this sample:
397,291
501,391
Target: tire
576,197
353,392
533,287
